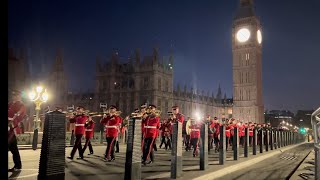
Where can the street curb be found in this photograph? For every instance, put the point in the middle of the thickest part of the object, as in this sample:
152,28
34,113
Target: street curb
242,165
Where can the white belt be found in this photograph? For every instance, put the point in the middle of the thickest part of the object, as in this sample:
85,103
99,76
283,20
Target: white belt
111,126
195,129
79,124
88,129
10,118
250,131
150,127
227,130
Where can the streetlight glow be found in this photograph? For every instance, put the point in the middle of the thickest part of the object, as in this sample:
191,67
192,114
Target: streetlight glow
32,95
39,89
45,97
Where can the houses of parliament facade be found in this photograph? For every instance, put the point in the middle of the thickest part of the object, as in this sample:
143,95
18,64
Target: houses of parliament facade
149,79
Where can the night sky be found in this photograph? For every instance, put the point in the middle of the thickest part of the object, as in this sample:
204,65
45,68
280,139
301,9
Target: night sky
198,31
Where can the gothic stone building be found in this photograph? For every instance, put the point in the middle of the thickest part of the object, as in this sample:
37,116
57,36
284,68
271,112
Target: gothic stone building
150,80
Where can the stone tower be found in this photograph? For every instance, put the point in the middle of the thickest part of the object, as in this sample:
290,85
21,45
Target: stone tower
247,64
57,81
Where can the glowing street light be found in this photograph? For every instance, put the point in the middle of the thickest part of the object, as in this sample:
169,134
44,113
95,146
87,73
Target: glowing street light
38,96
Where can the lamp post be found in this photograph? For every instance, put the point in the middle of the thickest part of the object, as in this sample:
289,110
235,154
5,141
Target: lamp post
38,96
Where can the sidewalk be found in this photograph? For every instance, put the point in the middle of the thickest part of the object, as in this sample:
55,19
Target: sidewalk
306,170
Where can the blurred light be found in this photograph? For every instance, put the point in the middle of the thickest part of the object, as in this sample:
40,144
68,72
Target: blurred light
301,120
115,83
32,95
45,96
39,89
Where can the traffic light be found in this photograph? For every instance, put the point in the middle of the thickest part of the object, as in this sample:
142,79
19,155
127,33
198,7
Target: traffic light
302,131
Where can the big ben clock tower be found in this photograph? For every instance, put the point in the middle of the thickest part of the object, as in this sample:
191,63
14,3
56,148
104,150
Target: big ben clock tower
247,64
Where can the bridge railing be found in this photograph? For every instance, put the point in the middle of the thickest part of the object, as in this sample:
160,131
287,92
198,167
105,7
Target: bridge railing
315,121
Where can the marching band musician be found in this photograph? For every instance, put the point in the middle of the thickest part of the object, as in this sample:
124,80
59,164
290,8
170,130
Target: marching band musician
210,123
251,127
229,133
151,126
176,115
111,122
188,131
16,113
162,128
195,135
89,128
216,136
117,139
166,130
79,120
241,132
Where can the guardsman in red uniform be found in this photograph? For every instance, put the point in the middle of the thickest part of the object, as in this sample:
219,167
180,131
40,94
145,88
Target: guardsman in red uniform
195,135
111,122
143,114
16,113
117,140
216,136
162,129
210,132
251,127
80,120
89,128
241,129
229,133
151,126
177,116
168,134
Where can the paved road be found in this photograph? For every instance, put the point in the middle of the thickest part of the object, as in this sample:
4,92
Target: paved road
277,167
94,166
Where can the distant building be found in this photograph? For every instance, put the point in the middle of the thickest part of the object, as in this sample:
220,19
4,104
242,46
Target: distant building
303,118
276,117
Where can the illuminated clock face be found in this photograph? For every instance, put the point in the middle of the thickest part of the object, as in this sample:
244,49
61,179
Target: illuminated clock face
259,36
243,35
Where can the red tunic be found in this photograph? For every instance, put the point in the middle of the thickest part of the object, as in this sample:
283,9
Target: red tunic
151,127
79,121
14,108
180,117
241,130
167,129
112,125
229,130
90,130
195,131
217,129
251,130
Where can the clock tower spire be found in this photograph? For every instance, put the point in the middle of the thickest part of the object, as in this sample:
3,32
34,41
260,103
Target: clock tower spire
247,64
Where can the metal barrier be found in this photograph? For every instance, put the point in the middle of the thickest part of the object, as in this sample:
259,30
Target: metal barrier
315,121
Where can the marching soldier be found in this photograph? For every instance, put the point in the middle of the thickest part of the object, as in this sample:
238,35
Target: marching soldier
195,135
16,113
216,136
151,126
188,131
167,134
176,115
89,134
210,123
162,129
79,120
111,122
117,140
251,127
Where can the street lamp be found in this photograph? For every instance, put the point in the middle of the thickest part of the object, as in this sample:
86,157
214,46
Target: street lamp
38,96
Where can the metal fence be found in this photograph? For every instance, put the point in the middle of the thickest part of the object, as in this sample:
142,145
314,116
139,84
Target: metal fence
315,121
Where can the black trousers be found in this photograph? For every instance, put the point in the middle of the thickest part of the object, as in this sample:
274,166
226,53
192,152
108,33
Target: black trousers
188,146
250,141
13,148
210,142
195,143
77,145
168,142
148,149
117,146
111,142
88,143
163,141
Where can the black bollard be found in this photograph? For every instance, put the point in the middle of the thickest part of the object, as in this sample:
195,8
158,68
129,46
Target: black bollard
271,139
261,140
176,152
222,145
133,152
235,144
267,140
254,141
283,139
246,142
204,147
52,157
